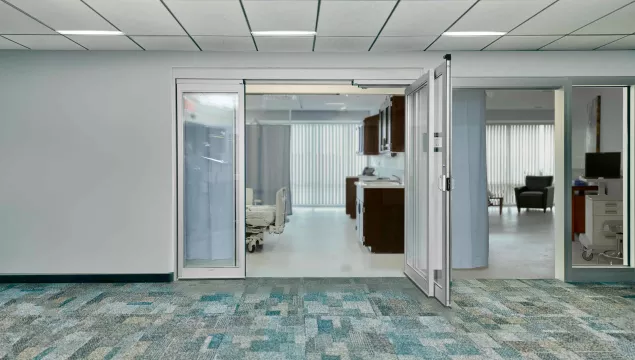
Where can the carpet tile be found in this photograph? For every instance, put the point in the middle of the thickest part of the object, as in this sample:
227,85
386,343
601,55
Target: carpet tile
317,319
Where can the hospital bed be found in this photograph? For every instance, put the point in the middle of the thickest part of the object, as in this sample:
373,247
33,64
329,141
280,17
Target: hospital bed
261,218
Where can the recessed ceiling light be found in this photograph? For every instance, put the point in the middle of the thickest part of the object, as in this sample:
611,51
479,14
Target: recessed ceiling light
283,33
474,33
335,103
90,32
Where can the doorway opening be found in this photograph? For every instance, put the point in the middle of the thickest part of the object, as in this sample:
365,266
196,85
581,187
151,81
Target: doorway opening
310,146
509,145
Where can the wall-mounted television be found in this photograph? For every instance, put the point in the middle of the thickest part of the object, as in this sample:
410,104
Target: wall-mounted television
606,165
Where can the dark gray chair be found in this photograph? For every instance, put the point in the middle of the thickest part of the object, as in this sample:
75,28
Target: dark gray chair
536,194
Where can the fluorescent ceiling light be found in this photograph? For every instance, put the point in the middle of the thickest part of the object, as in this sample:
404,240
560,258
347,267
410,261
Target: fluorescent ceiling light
90,32
474,33
335,104
283,33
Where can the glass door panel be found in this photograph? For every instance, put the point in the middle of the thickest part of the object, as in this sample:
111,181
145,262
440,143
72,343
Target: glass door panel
211,209
443,161
417,184
428,159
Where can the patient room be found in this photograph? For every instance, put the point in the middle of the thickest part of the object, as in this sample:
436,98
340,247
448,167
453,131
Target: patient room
305,163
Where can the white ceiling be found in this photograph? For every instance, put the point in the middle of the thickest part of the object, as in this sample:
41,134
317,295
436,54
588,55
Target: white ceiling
341,25
315,102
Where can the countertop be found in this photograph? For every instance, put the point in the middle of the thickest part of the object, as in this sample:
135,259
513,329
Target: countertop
363,177
380,185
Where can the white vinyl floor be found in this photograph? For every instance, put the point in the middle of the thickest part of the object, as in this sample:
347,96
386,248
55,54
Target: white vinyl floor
521,246
321,242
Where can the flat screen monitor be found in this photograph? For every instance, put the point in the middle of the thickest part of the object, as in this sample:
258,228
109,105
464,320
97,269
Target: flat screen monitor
603,165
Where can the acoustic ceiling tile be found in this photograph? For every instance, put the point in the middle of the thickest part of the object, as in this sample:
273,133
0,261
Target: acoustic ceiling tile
45,42
225,43
138,17
343,44
512,43
63,14
172,43
581,42
416,18
448,43
620,22
499,15
281,15
218,17
287,44
12,21
566,16
105,42
402,43
353,18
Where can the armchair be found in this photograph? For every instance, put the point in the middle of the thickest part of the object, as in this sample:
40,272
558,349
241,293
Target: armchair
536,194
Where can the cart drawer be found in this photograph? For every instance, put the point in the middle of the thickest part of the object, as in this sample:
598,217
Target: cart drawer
598,222
607,207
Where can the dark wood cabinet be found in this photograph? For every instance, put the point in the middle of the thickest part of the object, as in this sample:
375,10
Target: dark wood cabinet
371,135
382,222
398,124
368,136
351,196
392,125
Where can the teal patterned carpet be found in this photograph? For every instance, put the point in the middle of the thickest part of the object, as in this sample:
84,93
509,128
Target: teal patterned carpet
325,319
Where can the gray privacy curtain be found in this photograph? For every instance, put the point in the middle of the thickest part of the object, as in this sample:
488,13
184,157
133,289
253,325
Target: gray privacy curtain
470,221
268,164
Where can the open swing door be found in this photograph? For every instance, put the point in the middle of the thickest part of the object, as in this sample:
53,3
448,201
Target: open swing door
428,182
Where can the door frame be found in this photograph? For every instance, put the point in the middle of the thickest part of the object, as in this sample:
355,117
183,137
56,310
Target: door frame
563,88
564,268
212,86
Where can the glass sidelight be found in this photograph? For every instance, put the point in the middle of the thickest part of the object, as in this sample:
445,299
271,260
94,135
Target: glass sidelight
211,181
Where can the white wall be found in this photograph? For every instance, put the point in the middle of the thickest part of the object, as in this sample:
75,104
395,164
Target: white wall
386,165
611,123
87,144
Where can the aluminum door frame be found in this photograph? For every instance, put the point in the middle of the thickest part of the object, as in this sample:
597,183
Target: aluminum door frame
421,279
438,138
443,72
213,86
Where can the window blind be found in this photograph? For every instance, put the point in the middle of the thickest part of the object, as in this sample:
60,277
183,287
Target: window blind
322,156
515,151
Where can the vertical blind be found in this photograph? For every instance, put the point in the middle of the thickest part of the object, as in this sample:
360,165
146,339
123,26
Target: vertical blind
322,156
515,151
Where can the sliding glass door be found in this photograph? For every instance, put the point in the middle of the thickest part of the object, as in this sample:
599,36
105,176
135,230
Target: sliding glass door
211,225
